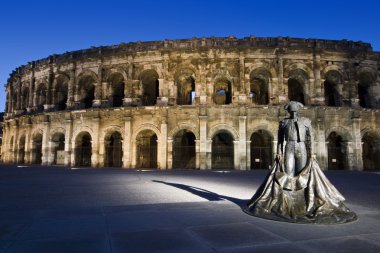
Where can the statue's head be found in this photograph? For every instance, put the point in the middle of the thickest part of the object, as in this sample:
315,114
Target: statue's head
293,106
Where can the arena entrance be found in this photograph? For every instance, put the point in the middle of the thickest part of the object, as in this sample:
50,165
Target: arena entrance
146,149
21,150
114,151
371,151
83,149
58,148
261,150
336,152
37,149
184,150
222,151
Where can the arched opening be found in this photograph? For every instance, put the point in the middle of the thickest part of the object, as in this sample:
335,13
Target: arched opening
21,150
261,150
87,91
37,149
296,86
222,151
146,149
259,85
61,92
184,150
58,148
366,99
371,151
331,88
222,91
83,149
116,82
25,99
114,150
336,152
150,85
295,91
185,90
41,97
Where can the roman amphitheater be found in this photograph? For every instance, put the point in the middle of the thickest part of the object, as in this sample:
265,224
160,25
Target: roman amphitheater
204,103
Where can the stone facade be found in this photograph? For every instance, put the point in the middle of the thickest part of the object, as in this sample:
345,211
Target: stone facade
208,103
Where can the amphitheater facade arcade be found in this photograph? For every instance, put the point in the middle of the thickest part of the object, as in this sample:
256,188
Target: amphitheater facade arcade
208,103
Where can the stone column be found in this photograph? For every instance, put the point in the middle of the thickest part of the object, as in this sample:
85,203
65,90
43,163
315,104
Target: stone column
28,154
282,97
242,143
101,157
163,145
45,143
197,154
170,153
127,163
49,106
69,156
14,153
357,144
52,147
162,100
242,98
203,142
319,147
97,102
95,143
319,98
237,155
31,93
70,89
209,154
248,154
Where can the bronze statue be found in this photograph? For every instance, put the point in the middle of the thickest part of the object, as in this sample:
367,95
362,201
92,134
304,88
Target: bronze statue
296,189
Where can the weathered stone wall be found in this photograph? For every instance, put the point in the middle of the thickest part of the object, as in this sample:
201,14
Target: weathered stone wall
215,89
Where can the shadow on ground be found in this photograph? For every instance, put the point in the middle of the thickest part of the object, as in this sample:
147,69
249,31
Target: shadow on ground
206,194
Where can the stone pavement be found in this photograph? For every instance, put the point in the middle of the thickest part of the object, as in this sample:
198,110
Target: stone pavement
57,209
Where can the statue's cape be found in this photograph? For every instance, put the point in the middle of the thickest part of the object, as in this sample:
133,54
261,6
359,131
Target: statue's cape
308,197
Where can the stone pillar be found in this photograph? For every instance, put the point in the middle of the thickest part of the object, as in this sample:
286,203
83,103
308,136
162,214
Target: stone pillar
49,106
318,98
16,143
170,153
31,93
69,156
97,102
282,96
70,89
197,154
350,155
45,143
248,154
319,147
209,154
101,157
357,144
242,98
242,143
52,147
163,145
28,154
203,142
127,163
163,99
237,155
95,143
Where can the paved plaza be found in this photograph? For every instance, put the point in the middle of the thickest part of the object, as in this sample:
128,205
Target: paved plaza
58,209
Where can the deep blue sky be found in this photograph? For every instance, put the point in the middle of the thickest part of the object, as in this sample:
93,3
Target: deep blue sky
34,29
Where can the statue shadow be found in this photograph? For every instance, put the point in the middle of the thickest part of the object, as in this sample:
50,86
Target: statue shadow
205,194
